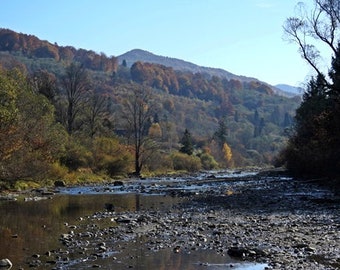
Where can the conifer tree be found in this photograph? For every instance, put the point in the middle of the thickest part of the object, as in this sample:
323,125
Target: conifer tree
186,141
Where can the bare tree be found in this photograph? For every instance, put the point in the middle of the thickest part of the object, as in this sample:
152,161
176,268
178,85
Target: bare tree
76,84
138,110
320,25
95,111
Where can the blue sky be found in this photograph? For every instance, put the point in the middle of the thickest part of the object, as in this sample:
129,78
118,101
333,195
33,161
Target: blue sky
243,37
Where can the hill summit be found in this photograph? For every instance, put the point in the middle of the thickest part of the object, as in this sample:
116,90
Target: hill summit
145,56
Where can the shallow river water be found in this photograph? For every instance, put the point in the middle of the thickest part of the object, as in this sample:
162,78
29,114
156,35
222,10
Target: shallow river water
31,230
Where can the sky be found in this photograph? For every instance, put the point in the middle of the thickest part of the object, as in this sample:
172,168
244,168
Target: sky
244,37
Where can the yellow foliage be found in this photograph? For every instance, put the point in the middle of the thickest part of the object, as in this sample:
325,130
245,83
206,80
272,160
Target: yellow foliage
155,131
227,154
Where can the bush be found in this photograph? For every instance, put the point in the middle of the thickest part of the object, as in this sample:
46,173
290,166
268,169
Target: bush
208,162
159,162
115,166
185,162
111,157
76,156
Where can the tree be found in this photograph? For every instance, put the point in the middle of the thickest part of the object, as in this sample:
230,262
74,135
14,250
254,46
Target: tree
221,133
258,124
155,131
44,83
9,114
76,83
321,25
94,113
137,112
308,147
187,144
314,147
227,154
30,140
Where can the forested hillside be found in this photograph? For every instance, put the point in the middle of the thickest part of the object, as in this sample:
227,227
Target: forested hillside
94,100
144,56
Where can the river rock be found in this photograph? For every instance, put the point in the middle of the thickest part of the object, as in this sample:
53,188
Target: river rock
6,263
118,183
238,252
59,183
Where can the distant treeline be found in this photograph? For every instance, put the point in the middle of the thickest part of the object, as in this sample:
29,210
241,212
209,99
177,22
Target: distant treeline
31,46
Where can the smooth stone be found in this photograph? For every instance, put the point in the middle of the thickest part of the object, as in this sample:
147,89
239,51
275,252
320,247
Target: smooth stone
6,263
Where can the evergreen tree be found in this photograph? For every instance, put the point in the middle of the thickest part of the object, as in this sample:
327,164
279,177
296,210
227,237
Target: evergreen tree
186,141
333,125
309,149
221,134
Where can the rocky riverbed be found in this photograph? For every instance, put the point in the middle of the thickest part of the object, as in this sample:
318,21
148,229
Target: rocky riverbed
275,221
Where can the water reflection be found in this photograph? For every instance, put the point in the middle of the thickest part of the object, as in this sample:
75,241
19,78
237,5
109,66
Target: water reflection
32,228
28,228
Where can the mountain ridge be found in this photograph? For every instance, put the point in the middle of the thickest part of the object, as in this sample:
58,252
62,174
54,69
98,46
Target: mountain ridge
32,46
178,64
290,89
135,55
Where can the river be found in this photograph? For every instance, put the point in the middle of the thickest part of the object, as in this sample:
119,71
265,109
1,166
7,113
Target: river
140,225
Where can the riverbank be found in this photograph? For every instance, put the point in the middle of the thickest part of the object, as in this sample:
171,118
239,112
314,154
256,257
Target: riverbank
266,218
285,223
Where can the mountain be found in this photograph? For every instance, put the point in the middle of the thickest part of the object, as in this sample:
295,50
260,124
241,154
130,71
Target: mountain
144,56
32,46
177,64
290,89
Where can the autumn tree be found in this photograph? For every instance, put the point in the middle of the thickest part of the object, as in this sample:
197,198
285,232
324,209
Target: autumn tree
139,108
9,114
227,154
155,131
30,140
45,83
76,84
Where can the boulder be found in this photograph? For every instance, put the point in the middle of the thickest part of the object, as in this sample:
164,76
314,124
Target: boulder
238,252
5,264
109,207
59,183
118,183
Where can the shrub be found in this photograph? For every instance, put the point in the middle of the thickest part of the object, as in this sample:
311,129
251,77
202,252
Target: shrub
111,157
76,156
208,162
114,166
185,162
159,162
